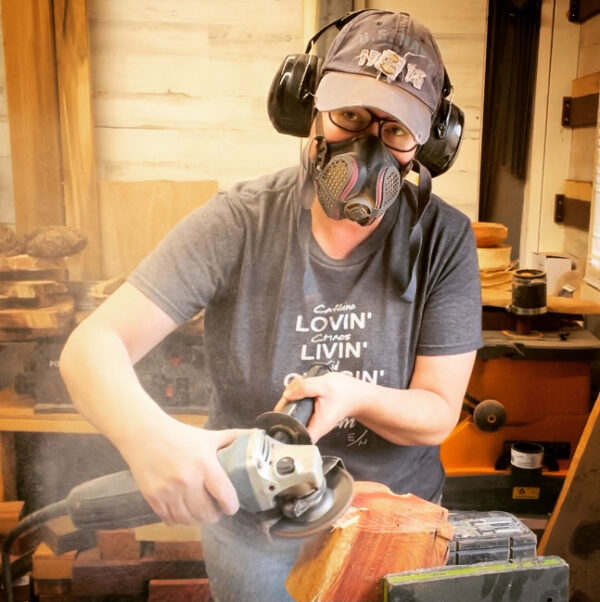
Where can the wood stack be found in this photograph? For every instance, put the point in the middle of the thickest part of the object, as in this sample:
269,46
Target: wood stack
157,563
34,301
493,255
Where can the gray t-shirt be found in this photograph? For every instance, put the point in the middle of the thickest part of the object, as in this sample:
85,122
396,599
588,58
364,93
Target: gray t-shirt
275,304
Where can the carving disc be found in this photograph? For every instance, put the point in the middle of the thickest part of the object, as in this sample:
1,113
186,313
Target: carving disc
340,489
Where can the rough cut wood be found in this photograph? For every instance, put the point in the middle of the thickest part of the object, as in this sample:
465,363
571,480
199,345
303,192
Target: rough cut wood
573,532
175,590
381,533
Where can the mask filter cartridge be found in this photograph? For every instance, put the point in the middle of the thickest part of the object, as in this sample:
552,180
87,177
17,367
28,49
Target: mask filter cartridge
359,180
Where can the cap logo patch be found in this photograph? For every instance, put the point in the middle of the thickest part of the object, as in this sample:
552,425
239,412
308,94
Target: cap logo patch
390,64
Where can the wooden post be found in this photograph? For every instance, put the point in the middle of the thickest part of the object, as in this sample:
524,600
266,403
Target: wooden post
31,91
77,129
573,531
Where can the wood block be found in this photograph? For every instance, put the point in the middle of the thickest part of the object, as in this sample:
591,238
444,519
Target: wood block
174,590
153,568
93,576
10,514
164,532
178,550
61,536
118,544
381,533
47,565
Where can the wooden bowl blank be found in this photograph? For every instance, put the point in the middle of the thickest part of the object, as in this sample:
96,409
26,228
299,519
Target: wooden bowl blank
489,234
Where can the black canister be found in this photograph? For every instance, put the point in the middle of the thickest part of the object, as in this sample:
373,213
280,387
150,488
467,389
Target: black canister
528,292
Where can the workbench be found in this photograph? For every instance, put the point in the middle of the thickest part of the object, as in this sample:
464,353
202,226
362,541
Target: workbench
17,415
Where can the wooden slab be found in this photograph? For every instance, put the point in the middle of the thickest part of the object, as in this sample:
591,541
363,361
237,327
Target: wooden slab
381,533
29,263
31,289
26,267
55,318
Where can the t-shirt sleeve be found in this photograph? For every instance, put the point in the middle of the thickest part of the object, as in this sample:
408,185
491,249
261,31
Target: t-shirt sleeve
194,262
451,320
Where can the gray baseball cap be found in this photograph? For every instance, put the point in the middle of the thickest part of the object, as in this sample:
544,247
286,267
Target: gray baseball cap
386,61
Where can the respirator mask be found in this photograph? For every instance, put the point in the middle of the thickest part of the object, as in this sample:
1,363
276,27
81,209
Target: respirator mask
357,179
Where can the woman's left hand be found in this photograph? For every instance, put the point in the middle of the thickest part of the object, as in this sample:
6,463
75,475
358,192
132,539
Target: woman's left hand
336,396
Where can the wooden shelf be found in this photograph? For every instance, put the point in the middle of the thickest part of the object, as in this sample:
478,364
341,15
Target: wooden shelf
17,415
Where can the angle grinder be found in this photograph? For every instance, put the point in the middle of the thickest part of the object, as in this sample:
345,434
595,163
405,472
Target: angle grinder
276,471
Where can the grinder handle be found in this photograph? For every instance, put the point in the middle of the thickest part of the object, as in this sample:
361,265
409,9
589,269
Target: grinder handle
302,409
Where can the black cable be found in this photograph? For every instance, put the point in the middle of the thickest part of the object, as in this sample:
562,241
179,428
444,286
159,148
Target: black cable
29,522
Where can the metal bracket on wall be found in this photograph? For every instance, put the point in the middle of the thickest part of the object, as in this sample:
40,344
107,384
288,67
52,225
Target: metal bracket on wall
580,111
572,212
582,10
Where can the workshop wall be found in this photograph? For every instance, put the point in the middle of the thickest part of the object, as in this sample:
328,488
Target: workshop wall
7,210
179,87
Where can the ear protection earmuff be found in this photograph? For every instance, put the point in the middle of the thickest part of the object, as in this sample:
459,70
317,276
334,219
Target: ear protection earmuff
291,107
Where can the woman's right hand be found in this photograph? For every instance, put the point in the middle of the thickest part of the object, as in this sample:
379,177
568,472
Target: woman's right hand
176,469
